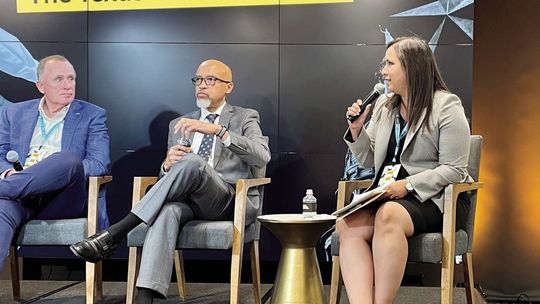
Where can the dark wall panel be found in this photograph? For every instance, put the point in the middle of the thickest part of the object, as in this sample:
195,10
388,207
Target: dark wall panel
257,24
455,63
43,26
358,22
317,84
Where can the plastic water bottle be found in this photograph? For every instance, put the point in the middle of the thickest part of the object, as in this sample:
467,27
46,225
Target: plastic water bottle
309,204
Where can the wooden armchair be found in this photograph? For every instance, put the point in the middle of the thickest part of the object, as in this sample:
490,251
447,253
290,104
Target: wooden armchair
194,235
63,233
436,248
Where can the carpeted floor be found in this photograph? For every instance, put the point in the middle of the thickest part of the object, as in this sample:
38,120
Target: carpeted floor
201,293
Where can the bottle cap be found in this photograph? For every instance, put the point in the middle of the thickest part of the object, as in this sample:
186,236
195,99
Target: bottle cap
309,191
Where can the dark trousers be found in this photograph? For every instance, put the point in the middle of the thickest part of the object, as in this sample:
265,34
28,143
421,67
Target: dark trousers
51,189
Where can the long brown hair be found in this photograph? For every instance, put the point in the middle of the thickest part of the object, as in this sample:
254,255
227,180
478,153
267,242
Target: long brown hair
423,77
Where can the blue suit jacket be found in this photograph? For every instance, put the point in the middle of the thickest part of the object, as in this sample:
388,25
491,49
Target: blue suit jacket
84,134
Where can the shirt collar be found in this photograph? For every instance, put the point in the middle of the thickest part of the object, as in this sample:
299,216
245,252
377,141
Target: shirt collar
58,117
205,112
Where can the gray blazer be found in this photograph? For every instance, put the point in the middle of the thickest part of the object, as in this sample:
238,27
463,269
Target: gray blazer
246,157
433,158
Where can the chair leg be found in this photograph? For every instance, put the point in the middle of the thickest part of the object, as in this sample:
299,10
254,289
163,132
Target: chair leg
134,262
180,274
99,281
336,281
255,271
447,280
90,282
469,278
15,279
236,270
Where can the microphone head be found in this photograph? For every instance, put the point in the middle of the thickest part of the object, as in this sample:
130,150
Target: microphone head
379,87
12,156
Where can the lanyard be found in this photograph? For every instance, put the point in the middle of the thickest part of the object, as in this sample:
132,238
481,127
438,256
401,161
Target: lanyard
399,134
45,134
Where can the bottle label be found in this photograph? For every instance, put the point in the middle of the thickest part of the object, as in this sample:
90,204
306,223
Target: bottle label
309,207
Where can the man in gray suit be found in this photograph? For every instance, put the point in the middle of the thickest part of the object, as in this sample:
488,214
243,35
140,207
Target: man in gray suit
197,179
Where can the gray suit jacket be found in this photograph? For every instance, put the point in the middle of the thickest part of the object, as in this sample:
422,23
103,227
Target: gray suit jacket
433,158
246,157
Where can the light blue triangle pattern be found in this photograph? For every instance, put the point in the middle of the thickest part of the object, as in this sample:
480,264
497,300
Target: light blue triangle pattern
437,8
435,38
465,25
387,36
430,9
459,4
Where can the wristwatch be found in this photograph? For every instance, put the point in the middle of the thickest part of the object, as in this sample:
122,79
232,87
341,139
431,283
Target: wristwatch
409,186
221,132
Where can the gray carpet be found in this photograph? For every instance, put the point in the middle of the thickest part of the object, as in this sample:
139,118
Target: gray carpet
200,293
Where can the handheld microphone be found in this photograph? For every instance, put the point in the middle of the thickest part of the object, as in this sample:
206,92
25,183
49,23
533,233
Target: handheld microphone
13,158
378,89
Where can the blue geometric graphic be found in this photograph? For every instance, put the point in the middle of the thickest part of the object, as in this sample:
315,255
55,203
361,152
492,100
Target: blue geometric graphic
15,60
440,8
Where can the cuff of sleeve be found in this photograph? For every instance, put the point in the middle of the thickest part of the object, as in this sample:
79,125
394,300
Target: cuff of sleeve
3,175
162,170
348,136
227,141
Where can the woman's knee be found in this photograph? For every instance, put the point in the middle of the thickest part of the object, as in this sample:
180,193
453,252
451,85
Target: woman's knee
393,217
355,226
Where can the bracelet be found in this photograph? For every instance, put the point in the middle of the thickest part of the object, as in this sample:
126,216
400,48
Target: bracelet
221,132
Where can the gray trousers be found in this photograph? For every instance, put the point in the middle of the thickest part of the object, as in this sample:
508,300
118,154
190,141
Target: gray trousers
191,189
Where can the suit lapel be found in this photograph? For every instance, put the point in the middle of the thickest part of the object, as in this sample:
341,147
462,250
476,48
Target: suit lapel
385,130
412,132
224,120
28,129
73,117
193,115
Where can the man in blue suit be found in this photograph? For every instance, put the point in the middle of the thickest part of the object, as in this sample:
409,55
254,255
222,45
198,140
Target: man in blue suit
61,141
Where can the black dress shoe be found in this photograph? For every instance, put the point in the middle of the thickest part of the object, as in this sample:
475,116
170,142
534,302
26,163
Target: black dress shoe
95,248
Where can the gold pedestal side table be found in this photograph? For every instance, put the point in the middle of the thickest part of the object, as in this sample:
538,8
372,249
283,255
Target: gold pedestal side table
298,278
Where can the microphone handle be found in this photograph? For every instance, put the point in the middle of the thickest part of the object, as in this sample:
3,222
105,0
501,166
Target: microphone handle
17,166
367,101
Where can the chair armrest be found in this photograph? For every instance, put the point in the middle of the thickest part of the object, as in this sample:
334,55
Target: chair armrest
450,200
140,184
242,187
94,184
345,189
449,217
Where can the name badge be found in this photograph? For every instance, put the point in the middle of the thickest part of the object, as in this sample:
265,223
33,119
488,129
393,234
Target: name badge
34,156
389,175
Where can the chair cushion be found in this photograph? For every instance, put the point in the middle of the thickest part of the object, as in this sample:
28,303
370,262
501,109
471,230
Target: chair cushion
52,232
198,234
424,248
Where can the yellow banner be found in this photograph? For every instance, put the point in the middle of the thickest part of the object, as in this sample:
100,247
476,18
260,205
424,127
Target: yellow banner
52,6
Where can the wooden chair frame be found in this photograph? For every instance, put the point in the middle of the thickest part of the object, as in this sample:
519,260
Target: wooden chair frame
451,192
94,272
140,186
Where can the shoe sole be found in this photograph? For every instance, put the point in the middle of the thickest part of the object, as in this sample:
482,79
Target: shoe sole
75,252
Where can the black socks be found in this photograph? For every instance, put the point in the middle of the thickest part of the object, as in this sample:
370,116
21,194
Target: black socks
119,230
144,296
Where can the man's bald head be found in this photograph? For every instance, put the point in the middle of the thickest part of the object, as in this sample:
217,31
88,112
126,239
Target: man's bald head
215,83
218,68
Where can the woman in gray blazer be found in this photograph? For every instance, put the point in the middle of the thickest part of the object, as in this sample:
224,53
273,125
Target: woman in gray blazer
418,142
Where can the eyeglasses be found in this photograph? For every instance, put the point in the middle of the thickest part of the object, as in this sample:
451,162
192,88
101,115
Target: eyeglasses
209,80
